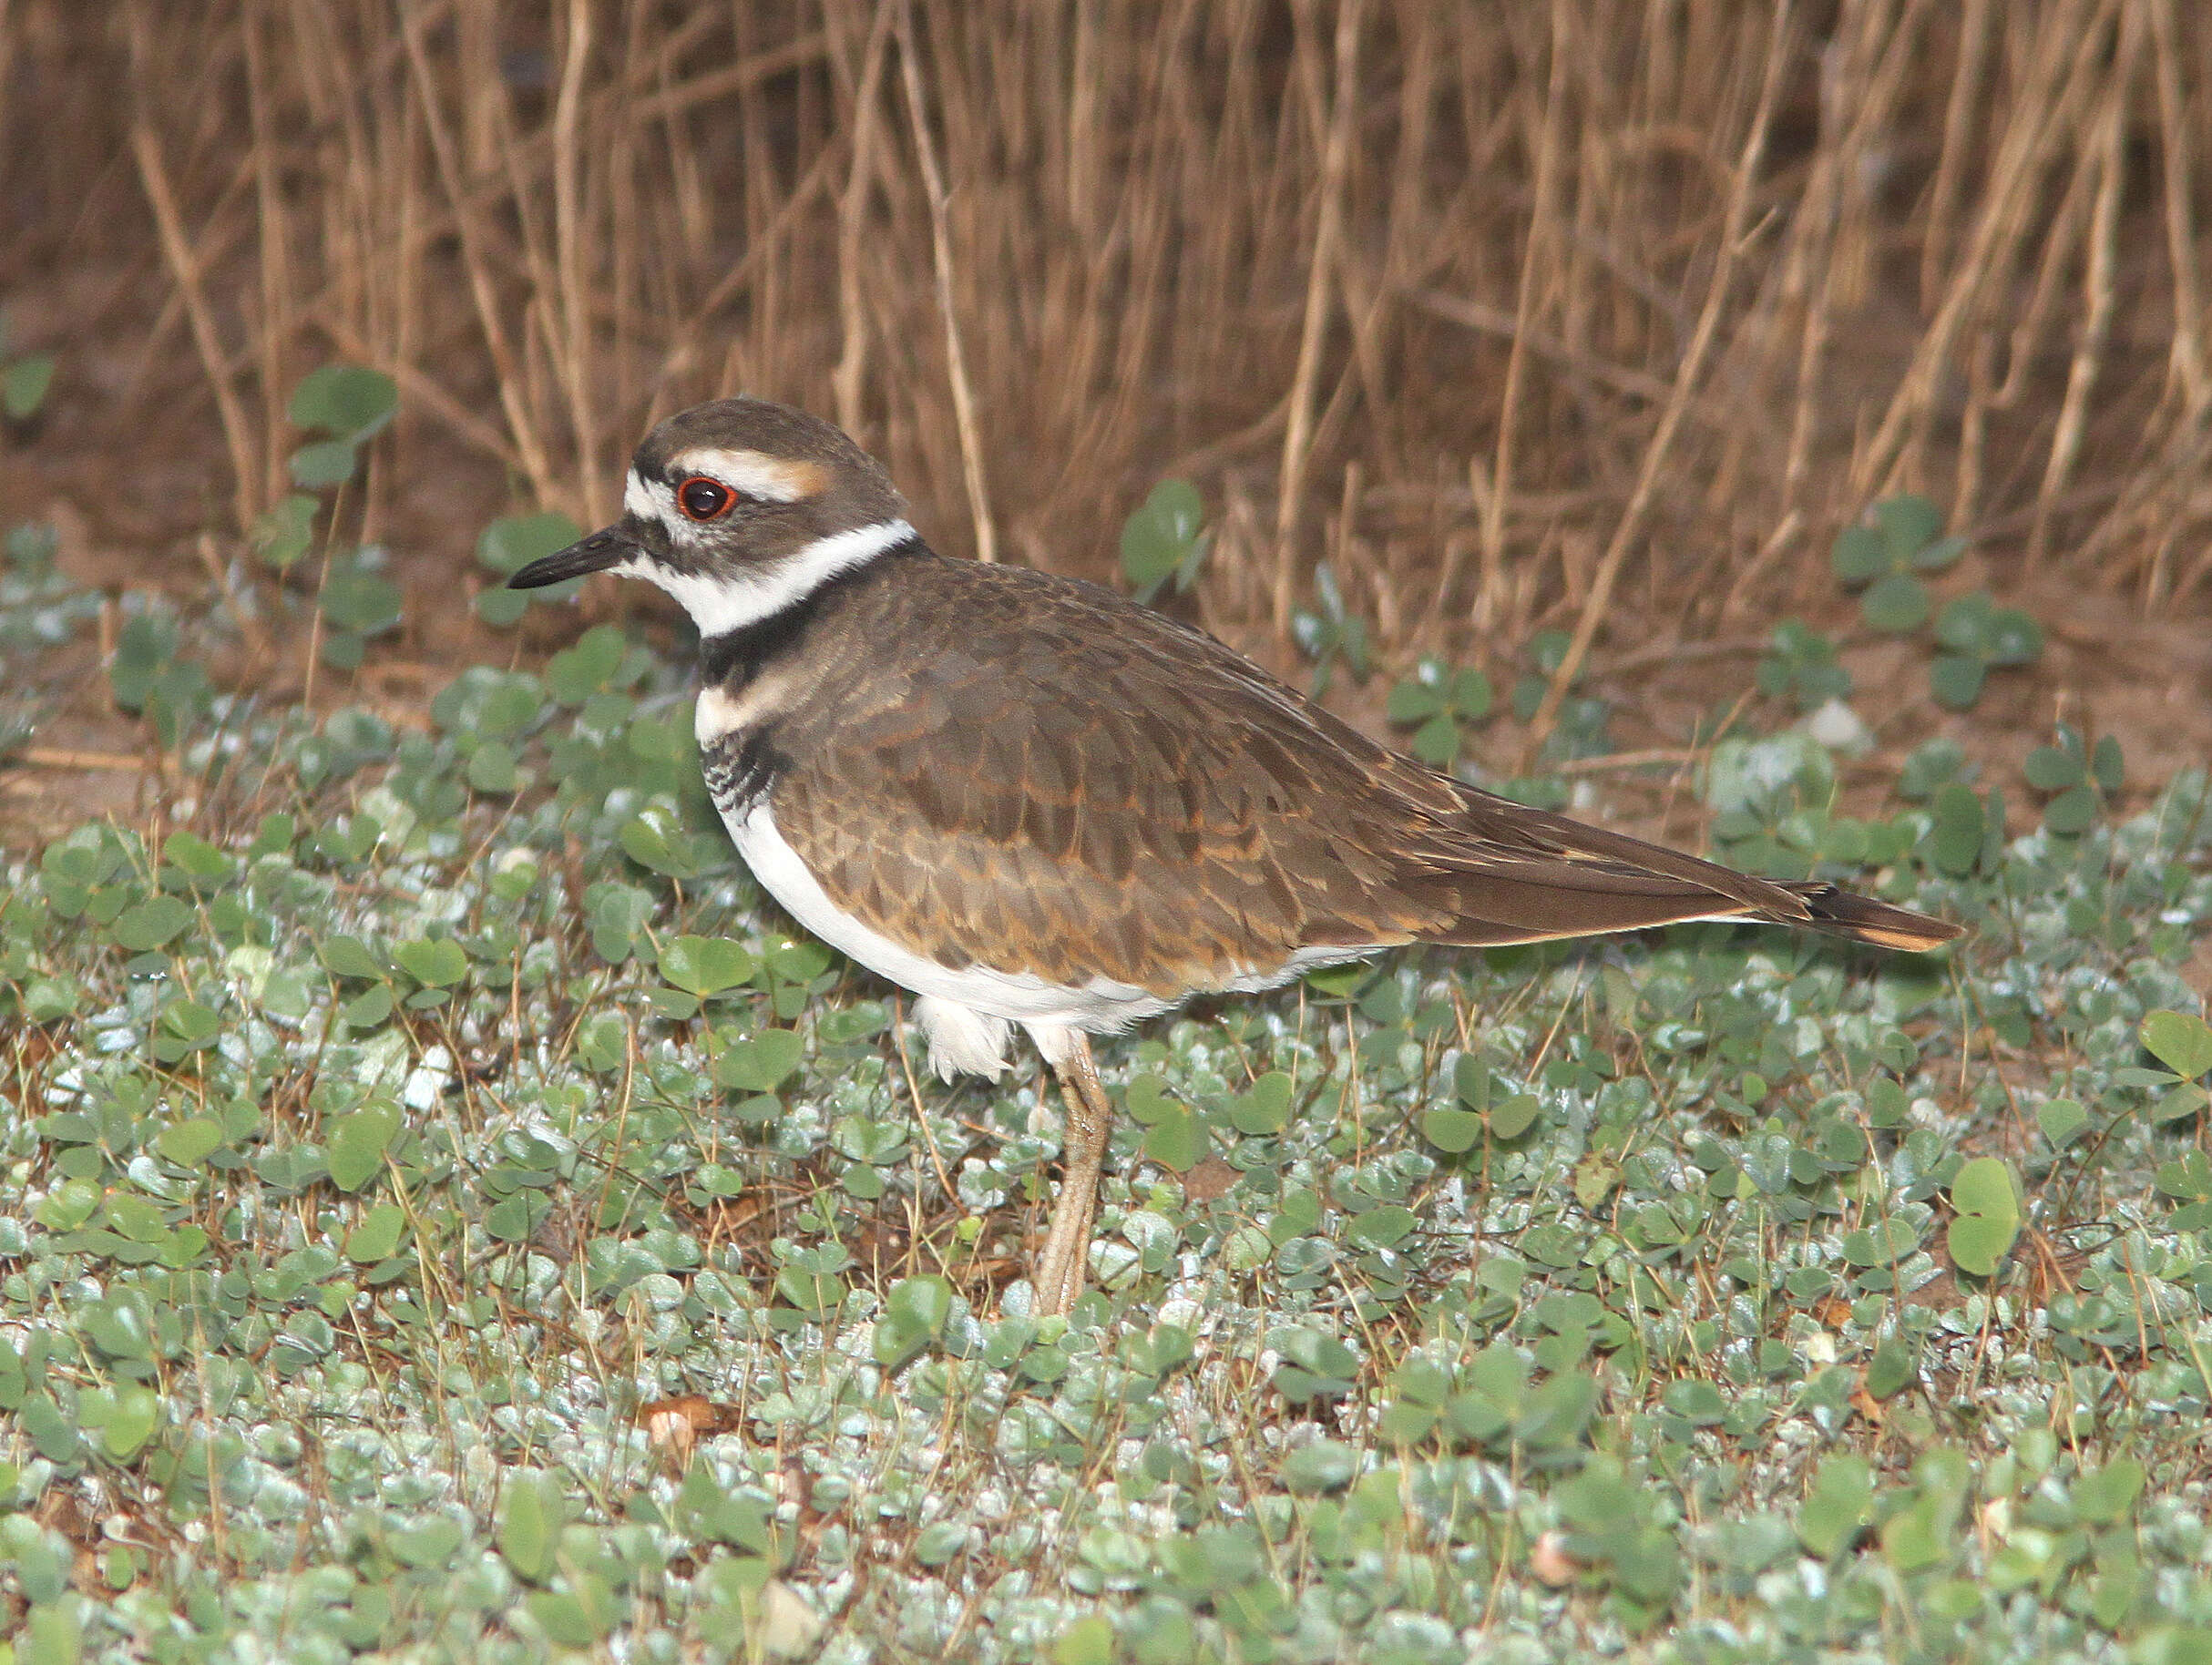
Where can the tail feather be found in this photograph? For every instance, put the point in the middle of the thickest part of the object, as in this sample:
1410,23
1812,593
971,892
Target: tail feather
1840,913
1507,874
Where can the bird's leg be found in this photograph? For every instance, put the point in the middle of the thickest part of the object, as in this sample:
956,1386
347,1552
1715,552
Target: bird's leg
1066,1258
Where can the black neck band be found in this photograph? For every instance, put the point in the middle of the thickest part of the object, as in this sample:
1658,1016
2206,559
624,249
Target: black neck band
733,658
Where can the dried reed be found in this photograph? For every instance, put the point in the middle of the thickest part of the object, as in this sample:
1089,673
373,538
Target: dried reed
1602,313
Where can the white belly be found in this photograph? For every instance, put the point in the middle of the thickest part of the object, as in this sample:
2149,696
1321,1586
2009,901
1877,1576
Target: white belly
1018,997
966,1011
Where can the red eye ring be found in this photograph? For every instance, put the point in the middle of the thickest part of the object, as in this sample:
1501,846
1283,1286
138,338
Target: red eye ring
701,498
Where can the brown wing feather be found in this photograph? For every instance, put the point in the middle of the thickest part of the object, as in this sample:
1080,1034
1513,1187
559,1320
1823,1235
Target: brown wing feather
1076,787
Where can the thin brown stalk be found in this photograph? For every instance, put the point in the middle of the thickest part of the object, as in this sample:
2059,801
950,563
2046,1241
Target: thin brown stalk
272,225
2054,273
409,277
1857,90
1508,326
575,352
8,59
852,222
2178,169
1298,439
1957,155
1544,209
680,97
524,157
65,758
536,464
1630,524
1940,287
2097,291
1974,425
941,240
2064,72
764,248
184,270
420,388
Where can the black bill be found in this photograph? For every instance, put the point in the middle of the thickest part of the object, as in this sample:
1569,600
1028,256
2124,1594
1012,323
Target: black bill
597,553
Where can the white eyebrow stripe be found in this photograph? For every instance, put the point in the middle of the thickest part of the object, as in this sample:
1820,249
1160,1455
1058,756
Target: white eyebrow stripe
719,602
774,479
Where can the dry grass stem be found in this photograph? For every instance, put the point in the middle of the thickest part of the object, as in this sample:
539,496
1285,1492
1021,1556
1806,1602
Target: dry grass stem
940,246
1298,435
2097,298
2177,152
184,268
1595,371
852,222
1656,454
1499,481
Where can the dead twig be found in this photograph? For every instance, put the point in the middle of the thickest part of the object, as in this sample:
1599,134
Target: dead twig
1686,381
1298,437
940,239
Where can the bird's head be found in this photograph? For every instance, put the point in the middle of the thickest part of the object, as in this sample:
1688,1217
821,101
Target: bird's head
736,509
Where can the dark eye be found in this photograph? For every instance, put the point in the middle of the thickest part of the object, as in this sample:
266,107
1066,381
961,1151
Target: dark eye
705,499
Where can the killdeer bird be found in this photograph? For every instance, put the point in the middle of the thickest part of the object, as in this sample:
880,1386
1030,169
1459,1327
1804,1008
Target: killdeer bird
1033,803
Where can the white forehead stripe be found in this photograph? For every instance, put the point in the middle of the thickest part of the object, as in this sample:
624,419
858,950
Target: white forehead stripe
718,603
774,479
649,499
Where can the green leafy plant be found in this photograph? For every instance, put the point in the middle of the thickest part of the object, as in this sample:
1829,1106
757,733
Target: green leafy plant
1932,764
1614,1530
1801,667
1977,636
2081,779
1331,633
1315,1365
348,406
1966,832
512,543
1175,1135
1755,786
1884,561
1438,704
25,378
31,547
286,532
1494,1404
1162,543
1918,1526
148,676
2182,1042
1580,728
1838,1506
357,602
478,1056
1456,1129
915,1314
1987,1197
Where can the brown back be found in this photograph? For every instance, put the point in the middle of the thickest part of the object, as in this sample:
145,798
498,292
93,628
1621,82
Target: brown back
1063,783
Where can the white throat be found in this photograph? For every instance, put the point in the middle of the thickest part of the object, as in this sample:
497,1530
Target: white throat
720,604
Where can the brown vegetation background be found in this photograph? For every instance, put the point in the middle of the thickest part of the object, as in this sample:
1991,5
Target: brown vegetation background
1592,314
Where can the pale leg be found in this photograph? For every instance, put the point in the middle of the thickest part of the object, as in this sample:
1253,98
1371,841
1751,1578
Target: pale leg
1066,1258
